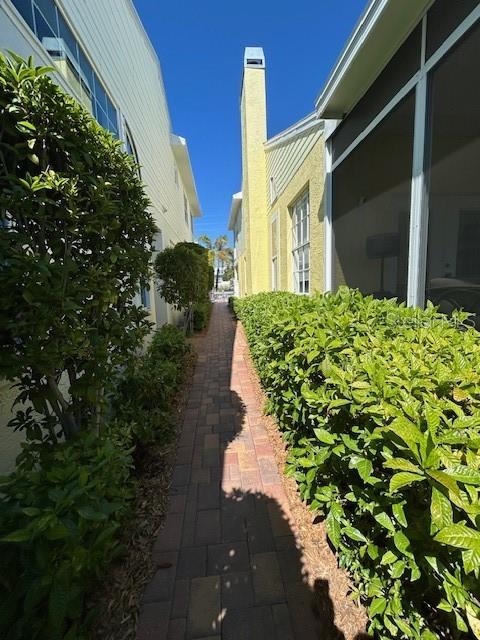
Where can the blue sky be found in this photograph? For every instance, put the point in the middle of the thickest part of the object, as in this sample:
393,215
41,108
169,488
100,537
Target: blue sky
200,46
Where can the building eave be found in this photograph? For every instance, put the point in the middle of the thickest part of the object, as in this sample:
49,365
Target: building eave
307,123
234,209
182,158
383,27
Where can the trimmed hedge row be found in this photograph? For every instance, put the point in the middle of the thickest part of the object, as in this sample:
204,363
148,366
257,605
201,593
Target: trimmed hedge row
380,407
62,510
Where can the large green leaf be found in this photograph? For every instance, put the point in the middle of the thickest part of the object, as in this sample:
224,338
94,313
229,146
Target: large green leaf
354,534
401,464
385,520
403,479
440,509
460,536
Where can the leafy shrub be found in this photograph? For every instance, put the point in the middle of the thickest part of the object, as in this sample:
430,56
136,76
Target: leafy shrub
62,511
211,277
380,406
231,303
201,314
168,343
75,236
147,389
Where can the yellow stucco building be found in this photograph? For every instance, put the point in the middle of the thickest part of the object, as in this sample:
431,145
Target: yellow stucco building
277,219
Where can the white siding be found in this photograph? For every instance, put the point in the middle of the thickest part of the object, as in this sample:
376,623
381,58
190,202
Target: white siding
121,54
284,160
118,49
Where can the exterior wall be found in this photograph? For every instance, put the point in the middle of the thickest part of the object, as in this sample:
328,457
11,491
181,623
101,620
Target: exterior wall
254,134
123,58
298,165
119,51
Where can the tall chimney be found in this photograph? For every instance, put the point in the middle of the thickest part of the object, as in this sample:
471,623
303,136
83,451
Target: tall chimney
254,179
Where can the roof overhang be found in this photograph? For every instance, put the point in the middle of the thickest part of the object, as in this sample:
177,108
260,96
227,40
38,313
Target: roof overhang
382,29
308,123
182,158
234,209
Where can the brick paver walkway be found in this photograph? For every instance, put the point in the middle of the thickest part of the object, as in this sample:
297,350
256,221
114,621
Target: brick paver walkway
228,564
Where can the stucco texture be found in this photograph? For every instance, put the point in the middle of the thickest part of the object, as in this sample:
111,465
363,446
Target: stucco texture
310,175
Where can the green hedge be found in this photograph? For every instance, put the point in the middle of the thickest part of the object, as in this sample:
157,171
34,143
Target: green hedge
380,407
201,314
148,387
61,511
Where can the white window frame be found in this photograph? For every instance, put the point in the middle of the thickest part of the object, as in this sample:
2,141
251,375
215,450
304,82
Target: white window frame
418,237
301,242
185,209
273,190
275,251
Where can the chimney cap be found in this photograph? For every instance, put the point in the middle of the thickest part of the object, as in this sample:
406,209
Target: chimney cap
254,57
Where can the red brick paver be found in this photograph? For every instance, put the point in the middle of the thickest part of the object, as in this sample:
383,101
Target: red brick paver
228,563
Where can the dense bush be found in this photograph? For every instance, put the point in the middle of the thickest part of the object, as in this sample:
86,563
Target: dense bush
184,275
75,236
380,406
201,314
62,512
62,509
147,388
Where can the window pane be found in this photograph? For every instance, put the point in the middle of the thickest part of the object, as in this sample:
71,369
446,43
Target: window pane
68,36
43,28
305,229
443,18
25,9
100,95
453,262
306,258
49,11
102,118
396,74
85,67
112,112
371,204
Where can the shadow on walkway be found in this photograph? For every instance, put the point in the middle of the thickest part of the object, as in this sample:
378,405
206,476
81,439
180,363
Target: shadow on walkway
229,564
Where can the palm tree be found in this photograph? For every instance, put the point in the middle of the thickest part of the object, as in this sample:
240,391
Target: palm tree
220,254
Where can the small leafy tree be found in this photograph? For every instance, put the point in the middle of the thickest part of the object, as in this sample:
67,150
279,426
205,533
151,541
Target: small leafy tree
183,272
74,243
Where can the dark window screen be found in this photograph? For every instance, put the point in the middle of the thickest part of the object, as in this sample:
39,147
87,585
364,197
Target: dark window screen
443,18
371,205
396,74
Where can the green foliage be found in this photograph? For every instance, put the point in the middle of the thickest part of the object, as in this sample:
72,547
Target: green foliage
75,236
201,314
231,304
62,509
228,274
60,515
211,277
380,407
184,274
145,394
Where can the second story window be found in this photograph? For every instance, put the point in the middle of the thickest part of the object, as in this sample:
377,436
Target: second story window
301,244
185,208
49,25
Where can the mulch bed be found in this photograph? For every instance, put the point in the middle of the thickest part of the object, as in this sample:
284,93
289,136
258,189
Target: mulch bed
118,597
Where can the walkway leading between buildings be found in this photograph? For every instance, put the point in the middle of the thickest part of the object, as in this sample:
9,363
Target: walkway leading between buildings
228,563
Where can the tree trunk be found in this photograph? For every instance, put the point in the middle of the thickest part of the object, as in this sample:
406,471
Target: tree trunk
63,410
217,277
